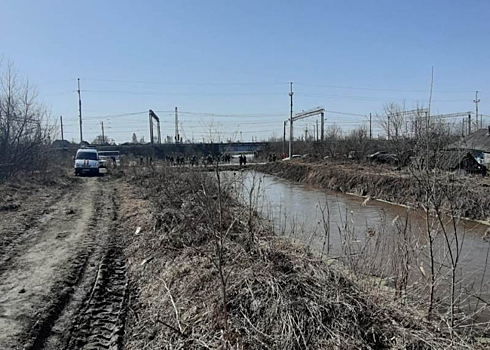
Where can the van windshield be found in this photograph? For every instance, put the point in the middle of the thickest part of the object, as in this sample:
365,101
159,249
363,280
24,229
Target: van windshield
87,155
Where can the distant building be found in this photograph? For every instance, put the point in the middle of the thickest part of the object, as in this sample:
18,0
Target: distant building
60,144
478,143
457,160
452,160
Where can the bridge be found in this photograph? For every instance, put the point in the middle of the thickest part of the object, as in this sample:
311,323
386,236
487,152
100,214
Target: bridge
242,147
165,149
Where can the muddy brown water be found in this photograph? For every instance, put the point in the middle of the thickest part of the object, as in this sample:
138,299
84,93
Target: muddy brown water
295,210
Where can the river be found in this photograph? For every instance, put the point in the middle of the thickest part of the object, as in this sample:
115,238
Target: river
295,210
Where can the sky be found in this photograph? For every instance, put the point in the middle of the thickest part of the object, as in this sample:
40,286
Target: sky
227,65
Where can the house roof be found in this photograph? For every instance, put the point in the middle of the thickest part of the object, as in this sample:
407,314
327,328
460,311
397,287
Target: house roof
477,141
452,160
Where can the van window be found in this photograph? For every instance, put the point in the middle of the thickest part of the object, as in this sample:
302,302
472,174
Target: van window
108,153
87,155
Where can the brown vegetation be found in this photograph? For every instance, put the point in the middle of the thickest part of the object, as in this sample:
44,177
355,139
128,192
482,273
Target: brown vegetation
25,136
204,277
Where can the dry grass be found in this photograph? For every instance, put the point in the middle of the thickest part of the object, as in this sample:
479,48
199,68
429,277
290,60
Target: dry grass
278,295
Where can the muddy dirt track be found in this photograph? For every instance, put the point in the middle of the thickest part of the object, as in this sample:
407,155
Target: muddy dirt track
62,278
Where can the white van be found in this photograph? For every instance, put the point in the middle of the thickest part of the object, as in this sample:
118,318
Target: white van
87,161
109,157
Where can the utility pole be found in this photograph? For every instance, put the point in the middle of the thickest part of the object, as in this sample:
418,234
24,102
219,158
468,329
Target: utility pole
158,132
61,120
469,123
306,133
103,136
322,130
151,126
476,100
316,138
291,93
370,126
80,111
388,126
284,138
177,137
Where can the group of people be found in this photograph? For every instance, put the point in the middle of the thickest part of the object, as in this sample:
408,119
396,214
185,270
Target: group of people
171,160
243,159
272,157
201,161
196,161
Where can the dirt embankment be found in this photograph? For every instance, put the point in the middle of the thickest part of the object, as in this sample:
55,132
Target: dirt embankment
468,194
204,274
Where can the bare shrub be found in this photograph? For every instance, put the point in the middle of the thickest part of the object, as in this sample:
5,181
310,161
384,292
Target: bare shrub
24,133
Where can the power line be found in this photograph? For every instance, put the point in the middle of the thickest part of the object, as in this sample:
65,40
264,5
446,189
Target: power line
117,115
160,93
380,89
185,84
371,98
267,84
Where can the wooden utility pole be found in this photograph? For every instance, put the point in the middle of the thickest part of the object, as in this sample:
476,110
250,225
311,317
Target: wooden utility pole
469,123
291,93
103,136
388,126
80,111
61,120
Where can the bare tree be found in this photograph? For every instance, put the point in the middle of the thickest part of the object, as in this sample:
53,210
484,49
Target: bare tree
215,132
333,136
24,131
358,142
402,128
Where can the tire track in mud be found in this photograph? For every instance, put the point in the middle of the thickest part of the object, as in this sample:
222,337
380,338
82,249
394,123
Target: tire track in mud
101,324
94,315
84,306
51,328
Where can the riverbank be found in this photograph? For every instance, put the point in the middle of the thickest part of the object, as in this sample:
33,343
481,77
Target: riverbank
470,194
206,272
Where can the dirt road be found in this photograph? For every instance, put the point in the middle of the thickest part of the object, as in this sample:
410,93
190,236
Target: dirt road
62,279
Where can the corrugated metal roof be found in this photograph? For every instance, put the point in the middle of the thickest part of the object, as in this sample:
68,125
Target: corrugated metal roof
478,141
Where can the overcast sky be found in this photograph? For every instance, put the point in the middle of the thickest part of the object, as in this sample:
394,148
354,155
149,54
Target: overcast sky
229,63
